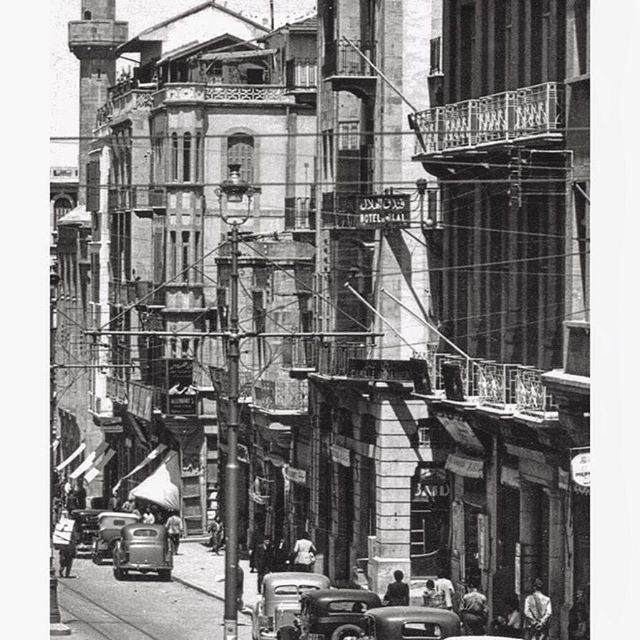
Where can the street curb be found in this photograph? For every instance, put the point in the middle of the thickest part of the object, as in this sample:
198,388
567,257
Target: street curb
206,592
59,629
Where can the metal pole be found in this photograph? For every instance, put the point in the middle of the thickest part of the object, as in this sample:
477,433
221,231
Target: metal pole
231,469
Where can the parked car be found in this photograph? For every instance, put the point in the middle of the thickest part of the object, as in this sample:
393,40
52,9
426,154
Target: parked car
144,548
331,614
110,524
410,623
280,601
86,528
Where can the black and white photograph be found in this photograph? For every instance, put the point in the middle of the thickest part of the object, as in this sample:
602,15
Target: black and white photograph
317,362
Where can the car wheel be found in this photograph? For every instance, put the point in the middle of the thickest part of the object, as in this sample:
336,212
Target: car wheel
96,559
165,575
118,574
287,632
346,632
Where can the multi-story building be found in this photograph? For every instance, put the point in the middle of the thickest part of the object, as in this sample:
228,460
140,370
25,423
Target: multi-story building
373,449
509,145
211,90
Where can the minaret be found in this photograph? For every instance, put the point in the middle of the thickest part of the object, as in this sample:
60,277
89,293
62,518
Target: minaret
93,40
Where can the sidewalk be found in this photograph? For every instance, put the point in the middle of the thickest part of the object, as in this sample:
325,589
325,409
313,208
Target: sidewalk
196,567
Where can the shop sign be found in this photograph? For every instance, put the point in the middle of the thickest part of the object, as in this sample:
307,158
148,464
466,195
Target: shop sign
299,476
140,401
243,453
581,469
464,466
563,479
383,210
183,403
340,455
483,536
510,477
178,372
461,432
430,485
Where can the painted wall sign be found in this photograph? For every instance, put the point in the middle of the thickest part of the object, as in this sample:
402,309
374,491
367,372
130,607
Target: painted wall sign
581,469
430,485
340,455
299,476
464,466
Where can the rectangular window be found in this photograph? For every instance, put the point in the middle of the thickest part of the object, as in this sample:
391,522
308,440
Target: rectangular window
184,268
197,275
173,254
259,313
197,156
348,135
240,150
186,157
435,48
174,157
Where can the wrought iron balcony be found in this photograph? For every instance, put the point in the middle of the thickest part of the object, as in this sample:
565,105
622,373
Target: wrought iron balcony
275,395
342,60
222,93
529,113
124,99
301,74
333,357
299,214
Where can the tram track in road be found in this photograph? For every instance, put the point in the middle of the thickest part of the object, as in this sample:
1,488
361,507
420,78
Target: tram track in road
99,626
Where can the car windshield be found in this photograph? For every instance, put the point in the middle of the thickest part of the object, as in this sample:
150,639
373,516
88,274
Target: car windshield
293,589
421,631
145,533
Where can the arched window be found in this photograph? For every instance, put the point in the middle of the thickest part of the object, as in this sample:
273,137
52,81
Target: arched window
61,207
87,15
186,157
240,151
174,157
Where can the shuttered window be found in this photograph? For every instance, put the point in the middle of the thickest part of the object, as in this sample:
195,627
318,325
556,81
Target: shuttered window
240,150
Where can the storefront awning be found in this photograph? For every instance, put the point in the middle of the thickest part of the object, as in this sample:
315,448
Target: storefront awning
99,466
461,432
159,487
72,457
465,466
89,460
150,456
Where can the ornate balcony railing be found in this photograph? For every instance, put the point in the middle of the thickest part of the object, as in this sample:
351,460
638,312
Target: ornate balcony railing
509,116
496,384
290,395
117,389
301,73
122,102
333,357
300,353
341,59
299,214
214,93
531,395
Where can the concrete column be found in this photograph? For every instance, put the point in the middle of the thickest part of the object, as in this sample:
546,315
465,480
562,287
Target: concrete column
492,488
556,561
529,534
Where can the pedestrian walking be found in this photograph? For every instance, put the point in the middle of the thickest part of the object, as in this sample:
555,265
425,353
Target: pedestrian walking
136,510
445,586
537,613
473,611
173,525
397,593
263,560
304,553
579,618
432,596
114,500
215,535
81,495
148,517
129,504
68,553
281,555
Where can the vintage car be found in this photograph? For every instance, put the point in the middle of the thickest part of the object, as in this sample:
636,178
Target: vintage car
110,524
86,528
144,548
410,623
280,601
331,614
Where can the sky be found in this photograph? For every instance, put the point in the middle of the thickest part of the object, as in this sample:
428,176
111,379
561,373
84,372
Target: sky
140,14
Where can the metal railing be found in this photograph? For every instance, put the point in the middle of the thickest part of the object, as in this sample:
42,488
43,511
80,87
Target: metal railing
341,59
212,93
301,73
502,117
299,214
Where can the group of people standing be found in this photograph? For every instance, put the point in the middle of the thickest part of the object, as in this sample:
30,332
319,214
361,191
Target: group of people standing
267,557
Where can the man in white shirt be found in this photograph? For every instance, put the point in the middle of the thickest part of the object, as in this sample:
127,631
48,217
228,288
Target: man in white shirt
445,586
537,612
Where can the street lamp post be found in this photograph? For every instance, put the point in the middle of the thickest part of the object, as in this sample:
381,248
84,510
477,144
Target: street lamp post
231,194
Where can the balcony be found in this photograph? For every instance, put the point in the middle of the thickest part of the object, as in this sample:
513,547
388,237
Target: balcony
301,77
299,215
123,99
191,92
492,386
148,197
286,396
117,389
346,70
527,114
119,198
97,33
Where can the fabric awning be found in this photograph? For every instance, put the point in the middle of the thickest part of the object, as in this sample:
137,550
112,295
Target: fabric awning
99,466
159,488
89,460
465,466
237,55
72,457
150,456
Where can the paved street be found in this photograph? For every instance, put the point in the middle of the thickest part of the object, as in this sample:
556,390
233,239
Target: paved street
94,605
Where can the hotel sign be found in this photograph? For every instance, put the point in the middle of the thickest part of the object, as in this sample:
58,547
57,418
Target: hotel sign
581,469
383,210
